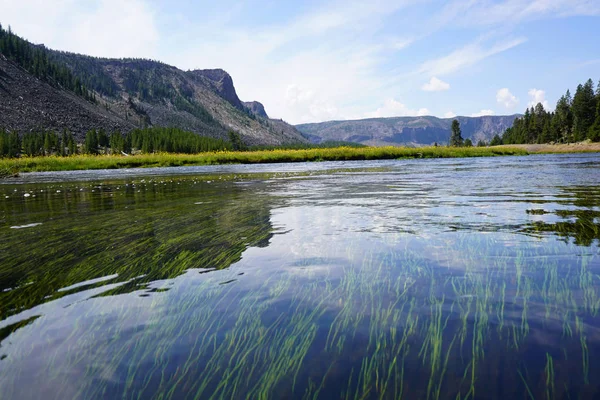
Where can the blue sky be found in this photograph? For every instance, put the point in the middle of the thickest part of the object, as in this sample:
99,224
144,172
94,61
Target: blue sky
313,61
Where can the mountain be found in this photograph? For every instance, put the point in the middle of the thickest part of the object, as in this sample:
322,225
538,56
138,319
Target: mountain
410,131
257,108
42,88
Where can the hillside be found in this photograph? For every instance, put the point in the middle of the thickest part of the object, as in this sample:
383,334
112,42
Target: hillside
46,89
410,131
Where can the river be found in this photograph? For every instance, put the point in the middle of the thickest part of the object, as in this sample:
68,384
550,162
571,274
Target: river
455,278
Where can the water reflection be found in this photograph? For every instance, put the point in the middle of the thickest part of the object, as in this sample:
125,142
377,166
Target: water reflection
421,279
138,231
580,221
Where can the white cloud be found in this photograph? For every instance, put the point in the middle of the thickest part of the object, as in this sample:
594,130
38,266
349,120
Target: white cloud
394,108
514,11
465,57
314,67
105,28
308,104
333,15
449,114
435,85
483,113
587,63
506,98
537,96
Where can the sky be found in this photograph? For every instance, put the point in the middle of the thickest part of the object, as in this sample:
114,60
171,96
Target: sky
313,61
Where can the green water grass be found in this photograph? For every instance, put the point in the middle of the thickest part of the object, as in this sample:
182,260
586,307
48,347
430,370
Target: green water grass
387,311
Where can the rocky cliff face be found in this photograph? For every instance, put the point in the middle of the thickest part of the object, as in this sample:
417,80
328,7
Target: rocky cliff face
132,93
219,82
411,131
256,108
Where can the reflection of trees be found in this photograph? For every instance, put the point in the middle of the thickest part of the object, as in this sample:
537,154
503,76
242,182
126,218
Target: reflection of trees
144,233
582,225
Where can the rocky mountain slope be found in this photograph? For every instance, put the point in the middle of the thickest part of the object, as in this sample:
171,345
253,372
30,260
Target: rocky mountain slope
411,131
28,104
257,108
123,94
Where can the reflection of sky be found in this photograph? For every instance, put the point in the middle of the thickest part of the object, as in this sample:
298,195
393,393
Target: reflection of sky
450,221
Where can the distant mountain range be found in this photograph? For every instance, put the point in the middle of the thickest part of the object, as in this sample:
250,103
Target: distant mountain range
46,89
407,131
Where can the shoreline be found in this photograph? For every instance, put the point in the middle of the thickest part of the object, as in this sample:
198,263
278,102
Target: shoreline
580,147
12,167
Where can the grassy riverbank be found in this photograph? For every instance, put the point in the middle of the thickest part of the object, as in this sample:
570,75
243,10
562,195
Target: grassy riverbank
580,147
29,164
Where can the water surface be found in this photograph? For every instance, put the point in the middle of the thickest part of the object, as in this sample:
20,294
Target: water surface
462,278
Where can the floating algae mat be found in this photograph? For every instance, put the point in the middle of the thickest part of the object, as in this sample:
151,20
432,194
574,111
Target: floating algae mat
429,279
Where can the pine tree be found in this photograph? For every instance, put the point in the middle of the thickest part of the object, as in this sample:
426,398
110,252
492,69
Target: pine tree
116,142
564,118
71,144
540,120
103,139
91,142
127,144
496,141
555,128
546,136
236,141
456,139
584,110
594,134
14,144
64,143
47,144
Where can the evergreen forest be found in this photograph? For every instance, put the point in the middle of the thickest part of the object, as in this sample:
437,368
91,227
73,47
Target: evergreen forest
576,118
147,140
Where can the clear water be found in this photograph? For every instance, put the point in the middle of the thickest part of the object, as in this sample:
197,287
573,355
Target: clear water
464,278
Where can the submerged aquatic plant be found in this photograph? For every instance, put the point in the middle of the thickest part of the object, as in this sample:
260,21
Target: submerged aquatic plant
181,287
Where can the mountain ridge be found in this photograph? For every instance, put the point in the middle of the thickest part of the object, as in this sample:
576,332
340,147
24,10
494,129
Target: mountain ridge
411,131
123,94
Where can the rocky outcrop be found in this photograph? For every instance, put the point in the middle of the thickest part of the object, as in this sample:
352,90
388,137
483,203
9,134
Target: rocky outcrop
221,83
256,108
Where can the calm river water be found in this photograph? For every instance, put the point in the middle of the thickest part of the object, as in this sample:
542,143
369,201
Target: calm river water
451,279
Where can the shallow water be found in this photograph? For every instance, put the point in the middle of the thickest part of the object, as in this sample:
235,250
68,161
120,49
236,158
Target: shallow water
462,278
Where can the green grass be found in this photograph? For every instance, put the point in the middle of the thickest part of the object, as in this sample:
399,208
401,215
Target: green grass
9,167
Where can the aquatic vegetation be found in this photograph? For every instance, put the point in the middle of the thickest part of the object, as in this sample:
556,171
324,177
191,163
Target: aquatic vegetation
290,286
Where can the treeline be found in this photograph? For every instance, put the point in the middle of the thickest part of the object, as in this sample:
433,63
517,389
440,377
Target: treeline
148,140
44,143
151,140
575,119
36,60
174,140
10,144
